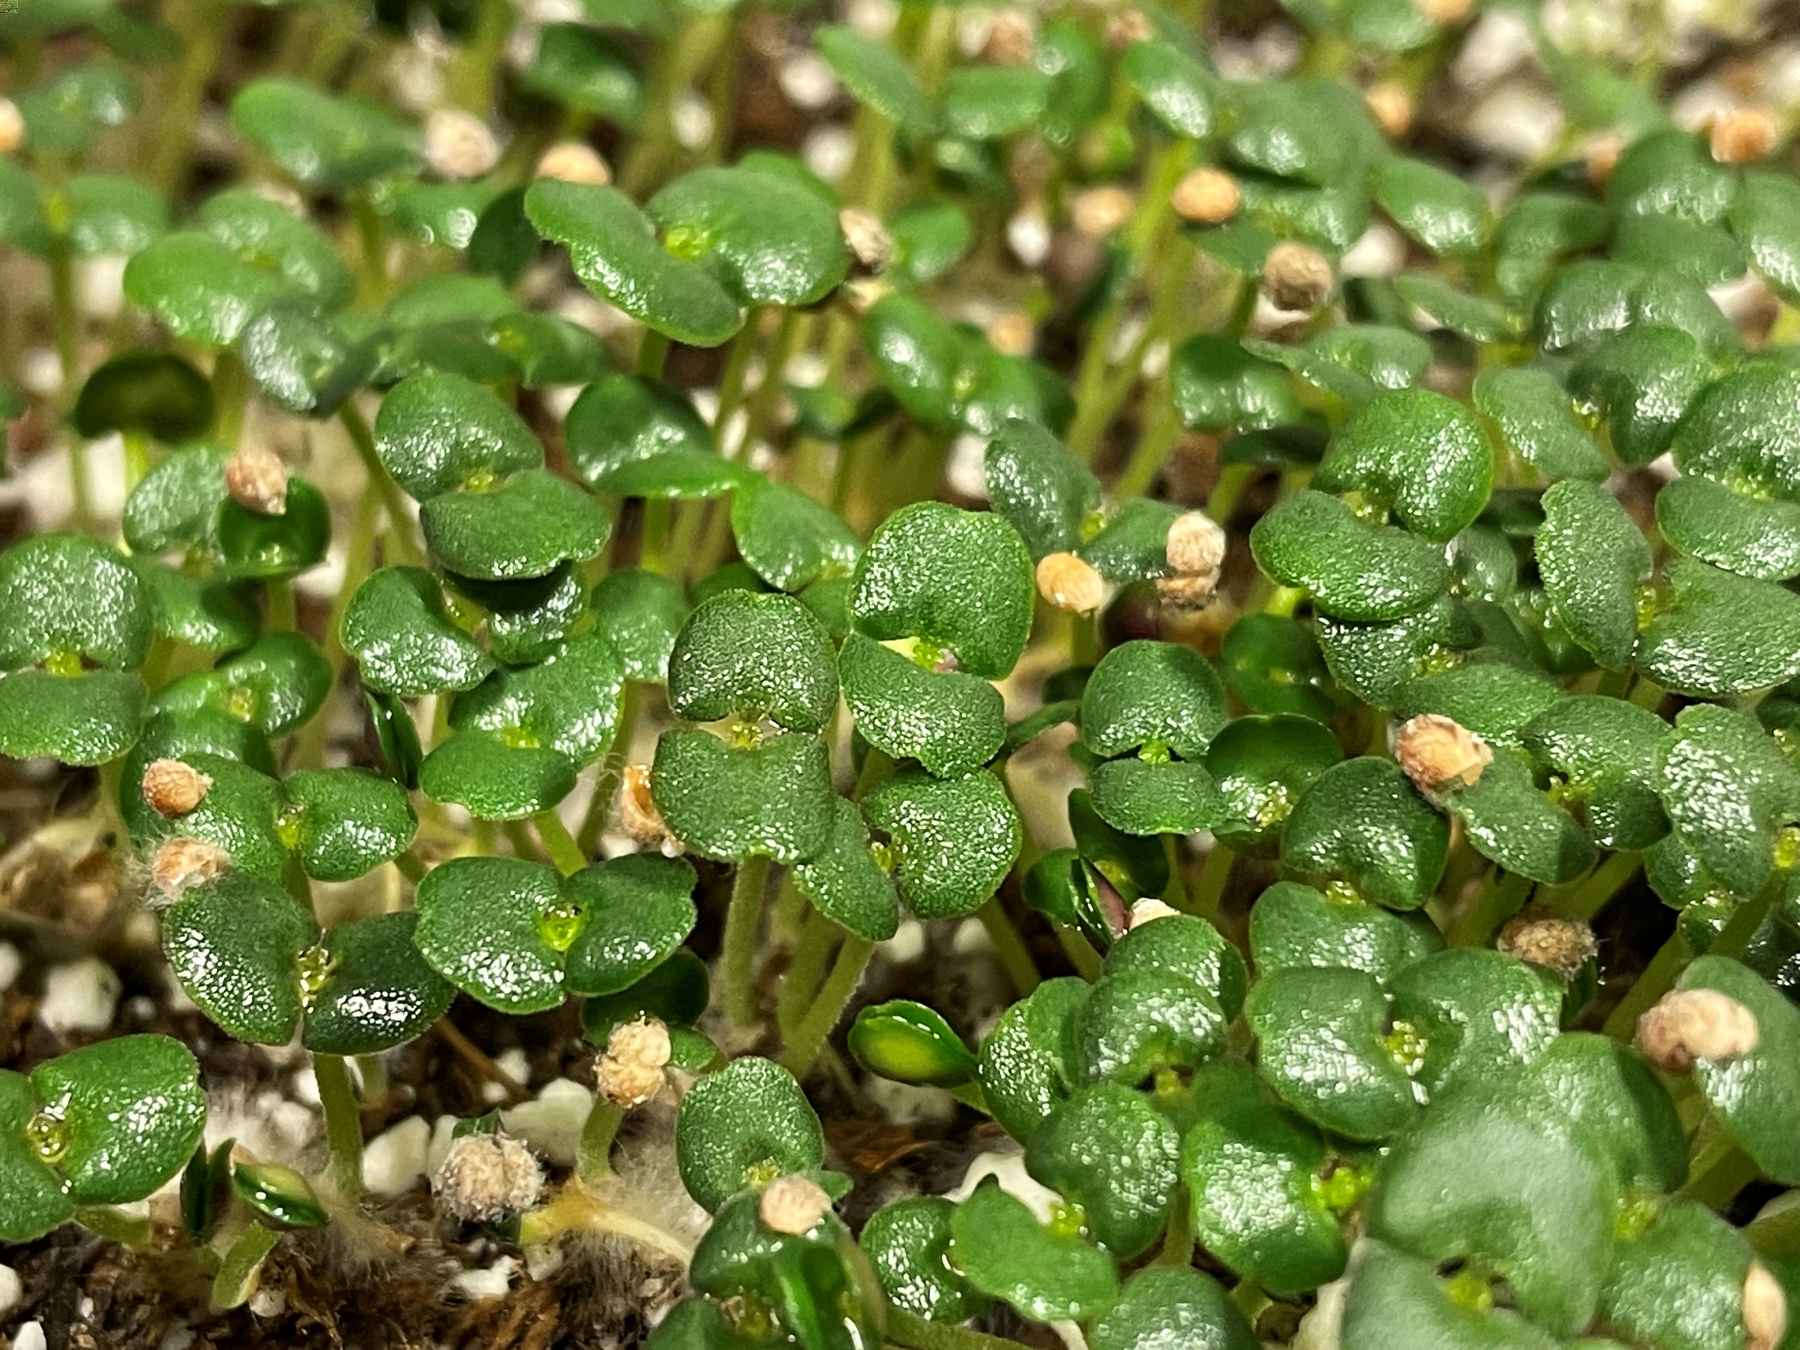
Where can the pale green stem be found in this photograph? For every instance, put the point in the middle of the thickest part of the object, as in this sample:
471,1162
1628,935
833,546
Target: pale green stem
399,534
1591,896
559,843
1207,899
343,1122
1009,947
283,608
1719,1172
818,939
743,919
916,1333
1498,901
593,1155
246,1253
231,391
834,995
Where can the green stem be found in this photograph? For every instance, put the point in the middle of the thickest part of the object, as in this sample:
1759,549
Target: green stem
606,785
818,940
68,354
371,234
834,995
1178,1239
1009,947
652,354
1207,899
1284,601
593,1154
1081,955
399,535
742,921
559,843
1591,896
1228,491
359,552
1719,1172
283,609
1499,901
915,1333
472,76
1160,432
409,866
231,392
1650,986
343,1122
137,458
203,30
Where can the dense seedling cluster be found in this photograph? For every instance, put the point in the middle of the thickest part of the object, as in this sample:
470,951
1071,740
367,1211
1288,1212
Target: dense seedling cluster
1289,664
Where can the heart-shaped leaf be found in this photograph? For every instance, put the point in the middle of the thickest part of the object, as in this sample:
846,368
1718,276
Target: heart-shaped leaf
1110,1151
1708,632
1254,1176
377,990
1763,219
1024,1066
1323,1043
1638,383
213,616
1152,694
276,685
772,241
1044,1275
346,822
1217,383
320,140
1396,1294
907,1243
1273,665
751,656
1439,210
400,633
1040,486
1352,569
1680,1281
1189,948
1605,752
1296,927
615,253
789,539
234,944
744,1126
1730,529
1593,560
1607,1091
568,702
640,613
772,800
494,779
954,839
523,528
1536,420
876,76
1417,453
1138,1023
35,1202
155,393
1474,1013
437,432
199,289
587,72
280,241
632,437
960,580
1363,824
498,929
177,503
951,723
66,599
635,911
1728,789
1261,766
89,718
257,547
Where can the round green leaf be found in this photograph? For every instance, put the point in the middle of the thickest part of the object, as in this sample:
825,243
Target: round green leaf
587,72
1217,383
907,1242
1709,632
1353,570
276,685
1638,383
257,547
177,502
320,140
613,247
1040,486
845,881
1536,420
89,718
523,528
1605,751
1475,1013
632,437
1110,1151
1295,927
1163,1306
1323,1045
640,613
1441,211
773,241
495,928
753,656
568,702
66,597
156,393
1006,1253
1607,1091
235,944
1362,823
1730,529
1593,560
401,635
213,616
744,1126
438,432
1146,693
132,1111
961,580
1680,1282
773,800
1273,665
954,840
1393,1294
378,991
494,779
1729,790
1764,219
951,723
1188,947
346,821
635,911
1173,85
34,1202
1418,453
788,538
1024,1066
278,241
876,76
1262,765
1136,1023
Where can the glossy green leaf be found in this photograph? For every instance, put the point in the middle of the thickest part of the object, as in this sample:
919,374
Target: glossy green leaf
378,991
1323,1045
1173,85
875,75
276,685
494,779
1146,693
1362,823
587,72
788,538
1110,1151
1296,927
954,840
632,437
1536,420
1024,1063
438,432
66,597
847,883
1728,790
1394,1294
1164,1306
1475,1013
951,723
772,241
1273,665
1353,570
399,631
1730,529
773,800
640,613
1594,560
257,547
1262,764
320,140
1188,947
1763,218
615,253
89,718
1417,453
1638,383
1680,1283
1605,752
346,821
1005,1252
752,656
235,944
155,393
744,1126
907,1242
1040,486
1217,383
1439,210
523,528
496,929
1709,632
910,1043
1754,1095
